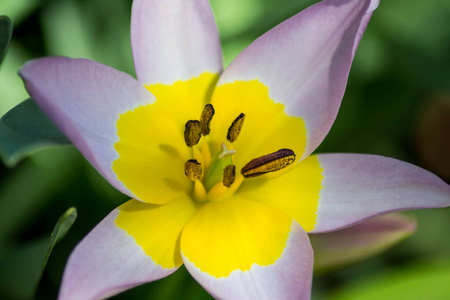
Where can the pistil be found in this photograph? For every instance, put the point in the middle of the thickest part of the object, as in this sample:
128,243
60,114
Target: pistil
225,152
216,168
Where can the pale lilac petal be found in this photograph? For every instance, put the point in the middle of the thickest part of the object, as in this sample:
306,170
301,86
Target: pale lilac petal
106,262
84,99
290,277
174,40
357,186
340,248
305,61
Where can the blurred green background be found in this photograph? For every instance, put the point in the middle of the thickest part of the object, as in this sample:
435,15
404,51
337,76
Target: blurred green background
397,104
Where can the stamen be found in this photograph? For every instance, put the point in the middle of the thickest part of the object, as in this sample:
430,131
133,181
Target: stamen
268,163
235,128
206,117
214,172
229,173
199,191
192,132
193,169
225,152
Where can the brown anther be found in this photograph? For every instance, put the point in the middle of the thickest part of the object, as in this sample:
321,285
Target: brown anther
206,117
268,163
229,173
235,128
192,132
193,169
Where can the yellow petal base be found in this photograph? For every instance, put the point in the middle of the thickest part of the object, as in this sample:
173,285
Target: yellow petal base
235,234
296,192
157,228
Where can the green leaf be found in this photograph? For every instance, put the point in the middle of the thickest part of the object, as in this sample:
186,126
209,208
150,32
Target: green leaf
25,130
5,35
61,228
21,270
427,280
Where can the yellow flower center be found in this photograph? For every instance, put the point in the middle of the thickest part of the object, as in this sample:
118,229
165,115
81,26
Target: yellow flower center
215,180
211,128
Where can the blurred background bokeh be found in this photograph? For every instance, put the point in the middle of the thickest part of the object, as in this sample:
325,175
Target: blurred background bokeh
397,104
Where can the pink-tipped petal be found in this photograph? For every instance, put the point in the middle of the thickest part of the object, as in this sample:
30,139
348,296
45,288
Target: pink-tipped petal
135,244
84,99
339,248
357,186
305,61
107,262
174,40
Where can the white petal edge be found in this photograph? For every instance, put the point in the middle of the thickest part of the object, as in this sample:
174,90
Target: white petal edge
174,40
356,187
85,99
106,262
305,62
290,277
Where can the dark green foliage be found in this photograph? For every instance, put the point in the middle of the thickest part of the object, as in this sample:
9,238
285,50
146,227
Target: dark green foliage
5,35
24,130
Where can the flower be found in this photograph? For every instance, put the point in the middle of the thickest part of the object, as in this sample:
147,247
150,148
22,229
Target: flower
334,250
219,162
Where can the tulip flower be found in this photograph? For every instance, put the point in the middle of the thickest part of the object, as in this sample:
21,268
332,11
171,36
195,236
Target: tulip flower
218,163
337,249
